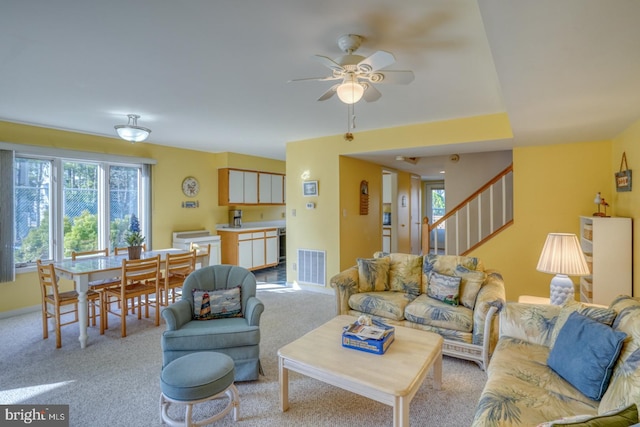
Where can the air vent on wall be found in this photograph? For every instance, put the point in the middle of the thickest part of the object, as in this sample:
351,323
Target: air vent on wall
312,267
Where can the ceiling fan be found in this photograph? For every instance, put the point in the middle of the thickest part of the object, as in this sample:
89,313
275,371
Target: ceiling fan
359,73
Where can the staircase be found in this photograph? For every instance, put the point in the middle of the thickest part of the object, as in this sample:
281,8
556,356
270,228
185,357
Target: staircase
482,215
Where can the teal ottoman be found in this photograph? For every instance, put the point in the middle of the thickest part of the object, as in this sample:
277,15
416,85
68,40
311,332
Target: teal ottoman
196,378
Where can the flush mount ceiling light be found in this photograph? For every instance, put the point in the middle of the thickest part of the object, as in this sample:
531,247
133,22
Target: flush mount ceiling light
131,131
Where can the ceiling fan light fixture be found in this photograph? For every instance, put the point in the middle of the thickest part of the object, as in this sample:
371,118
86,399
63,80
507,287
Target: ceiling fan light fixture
131,131
350,92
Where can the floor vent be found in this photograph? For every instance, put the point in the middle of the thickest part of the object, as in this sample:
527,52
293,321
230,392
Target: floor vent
312,267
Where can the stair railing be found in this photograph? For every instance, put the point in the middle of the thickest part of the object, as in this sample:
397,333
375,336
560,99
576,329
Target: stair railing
476,219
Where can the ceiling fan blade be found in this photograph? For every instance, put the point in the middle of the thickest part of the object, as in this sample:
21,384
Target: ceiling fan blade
402,77
371,93
329,63
315,79
376,61
329,93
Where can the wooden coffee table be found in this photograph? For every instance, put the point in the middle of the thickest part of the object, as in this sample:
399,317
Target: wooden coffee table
392,378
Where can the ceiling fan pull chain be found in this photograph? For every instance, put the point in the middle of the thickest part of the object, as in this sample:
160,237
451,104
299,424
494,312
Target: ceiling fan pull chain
351,119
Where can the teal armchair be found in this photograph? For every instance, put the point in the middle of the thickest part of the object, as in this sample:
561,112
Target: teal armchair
237,337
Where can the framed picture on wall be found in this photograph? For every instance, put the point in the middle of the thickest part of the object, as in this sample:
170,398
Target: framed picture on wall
310,188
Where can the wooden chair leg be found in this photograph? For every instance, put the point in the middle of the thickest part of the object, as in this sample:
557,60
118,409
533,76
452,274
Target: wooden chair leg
58,332
45,322
92,313
123,321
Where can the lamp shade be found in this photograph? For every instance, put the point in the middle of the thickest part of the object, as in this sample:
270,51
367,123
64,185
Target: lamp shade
131,131
562,254
350,91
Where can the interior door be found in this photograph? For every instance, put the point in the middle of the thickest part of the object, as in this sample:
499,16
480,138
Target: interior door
435,209
415,216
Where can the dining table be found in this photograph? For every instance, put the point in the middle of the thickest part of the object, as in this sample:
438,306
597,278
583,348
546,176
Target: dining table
82,271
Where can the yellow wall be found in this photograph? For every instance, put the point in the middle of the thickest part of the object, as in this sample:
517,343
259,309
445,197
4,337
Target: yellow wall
321,228
173,165
353,242
553,185
316,229
627,203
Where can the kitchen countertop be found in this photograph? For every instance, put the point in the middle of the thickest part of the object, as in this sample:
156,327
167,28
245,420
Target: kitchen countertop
252,226
244,229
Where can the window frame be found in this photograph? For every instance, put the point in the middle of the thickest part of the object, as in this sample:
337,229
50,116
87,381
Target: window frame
104,162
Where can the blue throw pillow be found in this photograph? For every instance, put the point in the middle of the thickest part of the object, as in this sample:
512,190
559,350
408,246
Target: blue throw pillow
585,353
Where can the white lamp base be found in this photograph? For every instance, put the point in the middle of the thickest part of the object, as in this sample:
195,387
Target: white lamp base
561,289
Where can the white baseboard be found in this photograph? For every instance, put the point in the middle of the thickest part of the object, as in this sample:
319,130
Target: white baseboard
18,312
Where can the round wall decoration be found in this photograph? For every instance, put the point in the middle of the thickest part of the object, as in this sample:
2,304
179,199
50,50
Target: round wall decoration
190,186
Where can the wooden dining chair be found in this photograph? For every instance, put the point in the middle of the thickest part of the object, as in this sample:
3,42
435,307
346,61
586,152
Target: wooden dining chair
139,277
98,285
125,249
202,251
176,268
53,300
99,252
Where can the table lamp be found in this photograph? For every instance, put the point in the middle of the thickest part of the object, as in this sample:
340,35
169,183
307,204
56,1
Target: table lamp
562,256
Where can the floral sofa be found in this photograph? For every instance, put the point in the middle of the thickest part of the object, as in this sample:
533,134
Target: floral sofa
451,295
524,390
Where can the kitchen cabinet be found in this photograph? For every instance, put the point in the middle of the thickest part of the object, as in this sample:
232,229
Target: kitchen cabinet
386,239
270,188
252,249
607,245
272,248
237,187
245,187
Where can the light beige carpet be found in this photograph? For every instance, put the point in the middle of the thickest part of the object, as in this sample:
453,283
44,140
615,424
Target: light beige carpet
115,381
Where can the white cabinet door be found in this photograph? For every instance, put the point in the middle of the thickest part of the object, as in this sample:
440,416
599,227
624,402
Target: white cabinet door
272,249
258,249
277,189
245,253
250,187
264,188
386,244
236,186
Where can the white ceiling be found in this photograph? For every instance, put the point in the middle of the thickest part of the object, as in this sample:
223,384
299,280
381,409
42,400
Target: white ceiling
212,75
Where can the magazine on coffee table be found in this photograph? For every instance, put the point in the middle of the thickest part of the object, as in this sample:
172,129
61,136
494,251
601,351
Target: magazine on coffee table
366,332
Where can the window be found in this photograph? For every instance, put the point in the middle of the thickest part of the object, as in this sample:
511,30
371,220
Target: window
88,207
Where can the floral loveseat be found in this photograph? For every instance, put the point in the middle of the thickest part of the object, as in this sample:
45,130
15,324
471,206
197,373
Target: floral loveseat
523,390
395,288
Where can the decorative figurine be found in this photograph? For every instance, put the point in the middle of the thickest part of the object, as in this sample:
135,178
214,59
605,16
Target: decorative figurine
600,201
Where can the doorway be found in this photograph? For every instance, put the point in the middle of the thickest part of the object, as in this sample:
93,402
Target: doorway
435,209
389,211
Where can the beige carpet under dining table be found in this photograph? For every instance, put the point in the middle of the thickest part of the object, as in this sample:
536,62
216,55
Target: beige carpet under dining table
115,381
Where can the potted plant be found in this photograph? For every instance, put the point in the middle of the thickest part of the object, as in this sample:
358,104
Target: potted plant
134,238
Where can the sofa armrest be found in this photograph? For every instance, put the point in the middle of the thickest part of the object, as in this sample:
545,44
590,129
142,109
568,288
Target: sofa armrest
253,311
346,284
532,323
490,299
176,315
